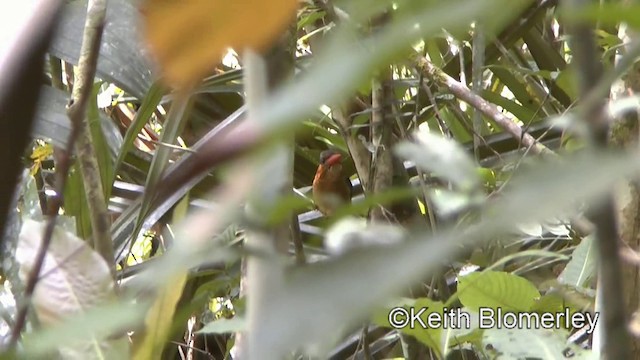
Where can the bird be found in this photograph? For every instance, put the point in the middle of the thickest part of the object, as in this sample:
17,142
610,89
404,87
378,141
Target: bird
331,188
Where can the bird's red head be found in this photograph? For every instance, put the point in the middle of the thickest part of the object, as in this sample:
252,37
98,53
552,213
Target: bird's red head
330,157
331,187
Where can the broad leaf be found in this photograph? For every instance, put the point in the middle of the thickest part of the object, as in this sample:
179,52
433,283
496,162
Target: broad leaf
444,157
415,315
513,344
222,326
495,289
188,38
582,266
73,280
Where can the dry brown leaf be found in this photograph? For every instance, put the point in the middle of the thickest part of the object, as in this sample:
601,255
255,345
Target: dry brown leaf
188,38
73,279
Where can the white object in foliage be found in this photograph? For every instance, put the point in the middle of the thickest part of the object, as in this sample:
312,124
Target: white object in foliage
352,233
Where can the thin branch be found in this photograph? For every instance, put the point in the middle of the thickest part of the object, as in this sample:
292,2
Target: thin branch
366,344
76,111
359,153
463,93
476,82
436,109
429,216
296,237
210,356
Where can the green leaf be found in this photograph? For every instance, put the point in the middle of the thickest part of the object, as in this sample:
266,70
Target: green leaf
429,336
103,153
388,196
550,303
310,18
214,288
75,202
173,126
454,123
611,13
282,209
488,177
495,289
582,266
315,87
102,322
341,291
161,315
517,85
520,112
220,79
531,344
148,106
555,303
444,157
322,133
30,205
223,326
160,318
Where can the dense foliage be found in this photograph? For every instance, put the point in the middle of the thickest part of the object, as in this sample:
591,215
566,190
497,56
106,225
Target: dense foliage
483,140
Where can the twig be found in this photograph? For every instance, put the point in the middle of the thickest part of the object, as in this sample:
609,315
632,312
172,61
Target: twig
210,356
366,345
175,147
296,236
460,91
429,216
436,109
477,63
76,110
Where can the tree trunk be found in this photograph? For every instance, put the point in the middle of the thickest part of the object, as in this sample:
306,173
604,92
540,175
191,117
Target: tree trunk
624,134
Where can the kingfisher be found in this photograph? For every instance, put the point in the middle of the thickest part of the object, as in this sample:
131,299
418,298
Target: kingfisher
331,187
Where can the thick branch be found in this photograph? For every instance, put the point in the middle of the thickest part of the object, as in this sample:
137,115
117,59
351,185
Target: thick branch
84,75
610,290
381,176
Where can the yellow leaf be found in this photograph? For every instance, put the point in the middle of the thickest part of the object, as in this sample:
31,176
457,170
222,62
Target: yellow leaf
42,152
34,168
188,38
160,318
39,154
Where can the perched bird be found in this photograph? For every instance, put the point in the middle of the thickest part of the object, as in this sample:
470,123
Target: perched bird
331,188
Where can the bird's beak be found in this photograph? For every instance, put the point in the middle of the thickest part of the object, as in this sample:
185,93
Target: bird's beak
333,159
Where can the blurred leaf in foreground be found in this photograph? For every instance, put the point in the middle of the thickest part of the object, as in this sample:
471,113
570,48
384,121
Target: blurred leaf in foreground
328,296
187,38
